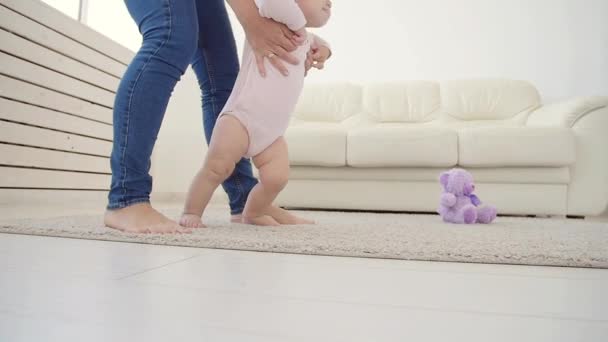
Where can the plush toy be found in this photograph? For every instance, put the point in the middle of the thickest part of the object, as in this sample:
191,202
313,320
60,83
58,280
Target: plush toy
458,203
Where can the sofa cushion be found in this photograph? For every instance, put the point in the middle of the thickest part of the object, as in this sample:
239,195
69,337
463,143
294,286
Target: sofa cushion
502,175
397,145
318,144
329,102
516,146
416,101
488,99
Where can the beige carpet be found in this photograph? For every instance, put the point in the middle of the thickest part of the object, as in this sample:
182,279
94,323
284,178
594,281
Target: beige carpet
396,236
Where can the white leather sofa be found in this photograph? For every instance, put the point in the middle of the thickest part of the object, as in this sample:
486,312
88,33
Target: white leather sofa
382,147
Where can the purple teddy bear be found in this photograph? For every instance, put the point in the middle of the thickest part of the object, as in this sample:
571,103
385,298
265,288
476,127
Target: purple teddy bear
458,203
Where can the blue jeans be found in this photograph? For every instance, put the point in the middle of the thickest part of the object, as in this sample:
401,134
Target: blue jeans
176,33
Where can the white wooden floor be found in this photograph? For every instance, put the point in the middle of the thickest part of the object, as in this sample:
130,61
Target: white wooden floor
78,290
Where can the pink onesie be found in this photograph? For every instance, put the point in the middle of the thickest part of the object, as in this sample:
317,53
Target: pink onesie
264,105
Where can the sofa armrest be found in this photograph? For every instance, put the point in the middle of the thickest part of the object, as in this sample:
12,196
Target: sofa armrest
588,120
566,114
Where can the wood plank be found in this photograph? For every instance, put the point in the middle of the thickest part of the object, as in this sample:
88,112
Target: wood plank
67,198
25,92
49,16
46,118
11,177
32,73
40,158
25,49
14,22
13,133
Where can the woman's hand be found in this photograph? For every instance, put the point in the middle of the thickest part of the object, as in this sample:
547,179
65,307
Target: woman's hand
267,38
316,57
274,41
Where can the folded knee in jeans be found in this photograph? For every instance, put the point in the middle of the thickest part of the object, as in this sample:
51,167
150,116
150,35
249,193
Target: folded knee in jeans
177,52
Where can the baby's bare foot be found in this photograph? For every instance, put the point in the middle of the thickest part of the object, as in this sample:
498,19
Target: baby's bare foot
141,218
191,221
264,220
285,217
280,215
238,218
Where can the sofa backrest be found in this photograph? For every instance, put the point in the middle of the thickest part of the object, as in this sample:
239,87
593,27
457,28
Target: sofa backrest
329,102
489,99
414,101
493,102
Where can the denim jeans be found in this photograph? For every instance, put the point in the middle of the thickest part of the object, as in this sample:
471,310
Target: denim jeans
176,33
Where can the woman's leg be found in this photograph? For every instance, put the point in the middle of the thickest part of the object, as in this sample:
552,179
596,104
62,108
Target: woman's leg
170,35
216,66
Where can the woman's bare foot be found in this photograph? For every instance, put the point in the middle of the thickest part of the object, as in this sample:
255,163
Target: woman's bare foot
286,218
141,218
191,221
264,220
280,215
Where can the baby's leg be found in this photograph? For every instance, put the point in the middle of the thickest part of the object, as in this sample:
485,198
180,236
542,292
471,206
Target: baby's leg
229,142
273,165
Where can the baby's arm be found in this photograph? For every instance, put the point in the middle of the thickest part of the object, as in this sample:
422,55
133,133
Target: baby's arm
283,11
317,42
320,51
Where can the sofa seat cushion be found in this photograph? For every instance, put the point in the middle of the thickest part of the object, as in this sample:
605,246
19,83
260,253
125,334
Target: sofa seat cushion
398,145
317,144
503,175
516,146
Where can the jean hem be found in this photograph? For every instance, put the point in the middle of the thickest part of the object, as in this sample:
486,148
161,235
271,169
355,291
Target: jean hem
124,204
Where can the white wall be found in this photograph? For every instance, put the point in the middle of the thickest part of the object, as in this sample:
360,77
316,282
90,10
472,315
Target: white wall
559,45
69,7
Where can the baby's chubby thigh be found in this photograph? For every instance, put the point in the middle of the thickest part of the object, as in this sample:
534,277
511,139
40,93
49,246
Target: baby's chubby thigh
229,143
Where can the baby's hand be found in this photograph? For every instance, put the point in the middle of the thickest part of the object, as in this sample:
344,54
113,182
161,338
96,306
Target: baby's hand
300,36
316,57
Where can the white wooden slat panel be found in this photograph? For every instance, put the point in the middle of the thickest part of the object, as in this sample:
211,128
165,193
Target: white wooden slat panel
11,177
53,18
76,198
32,136
37,116
14,22
23,48
20,69
40,158
29,93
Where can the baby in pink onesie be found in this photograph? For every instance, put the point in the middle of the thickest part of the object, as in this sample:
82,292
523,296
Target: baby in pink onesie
256,116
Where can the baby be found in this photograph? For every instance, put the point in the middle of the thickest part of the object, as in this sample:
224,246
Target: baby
255,118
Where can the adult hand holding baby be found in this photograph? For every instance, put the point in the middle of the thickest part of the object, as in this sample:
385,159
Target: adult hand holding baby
266,37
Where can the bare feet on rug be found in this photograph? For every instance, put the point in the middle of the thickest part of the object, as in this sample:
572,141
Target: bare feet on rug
280,215
286,218
191,221
141,218
264,220
236,218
